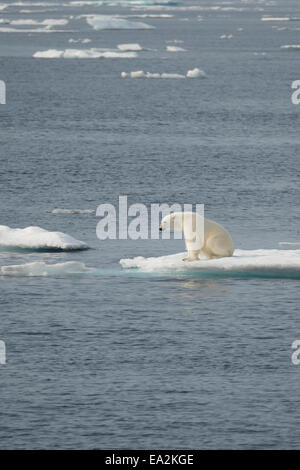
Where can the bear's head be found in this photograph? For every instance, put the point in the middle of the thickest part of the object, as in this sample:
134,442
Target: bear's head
172,221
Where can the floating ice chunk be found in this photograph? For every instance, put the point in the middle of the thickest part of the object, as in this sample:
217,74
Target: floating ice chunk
196,73
226,36
36,238
137,74
51,22
81,41
39,268
83,54
152,75
270,263
172,75
149,15
99,22
270,18
129,47
49,54
3,6
291,46
24,22
46,29
175,49
72,211
47,22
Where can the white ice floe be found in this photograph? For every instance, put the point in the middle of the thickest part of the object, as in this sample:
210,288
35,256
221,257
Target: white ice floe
149,15
271,263
271,18
100,22
172,75
73,211
40,268
129,47
291,46
80,41
49,54
46,29
226,36
48,22
196,73
153,75
36,238
83,54
175,49
137,74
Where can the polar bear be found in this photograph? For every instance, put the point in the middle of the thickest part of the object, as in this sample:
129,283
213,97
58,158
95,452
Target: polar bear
201,236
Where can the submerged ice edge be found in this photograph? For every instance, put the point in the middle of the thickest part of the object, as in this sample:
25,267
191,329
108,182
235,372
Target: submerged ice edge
42,269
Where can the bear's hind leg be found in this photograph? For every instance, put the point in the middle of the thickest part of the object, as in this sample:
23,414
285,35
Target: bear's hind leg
219,247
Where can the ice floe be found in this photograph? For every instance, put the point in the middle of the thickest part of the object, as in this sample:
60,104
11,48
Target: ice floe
79,41
291,46
36,238
270,263
40,268
226,36
195,73
48,22
101,22
270,18
175,49
46,29
129,47
83,54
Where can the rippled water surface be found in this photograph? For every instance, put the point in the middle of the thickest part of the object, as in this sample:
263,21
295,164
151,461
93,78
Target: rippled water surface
128,359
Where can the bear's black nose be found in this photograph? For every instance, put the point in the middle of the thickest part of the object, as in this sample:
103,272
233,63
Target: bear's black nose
160,229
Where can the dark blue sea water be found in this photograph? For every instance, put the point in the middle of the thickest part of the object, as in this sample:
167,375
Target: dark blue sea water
134,360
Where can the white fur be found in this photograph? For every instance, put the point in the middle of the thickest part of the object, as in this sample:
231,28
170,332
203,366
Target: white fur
201,236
